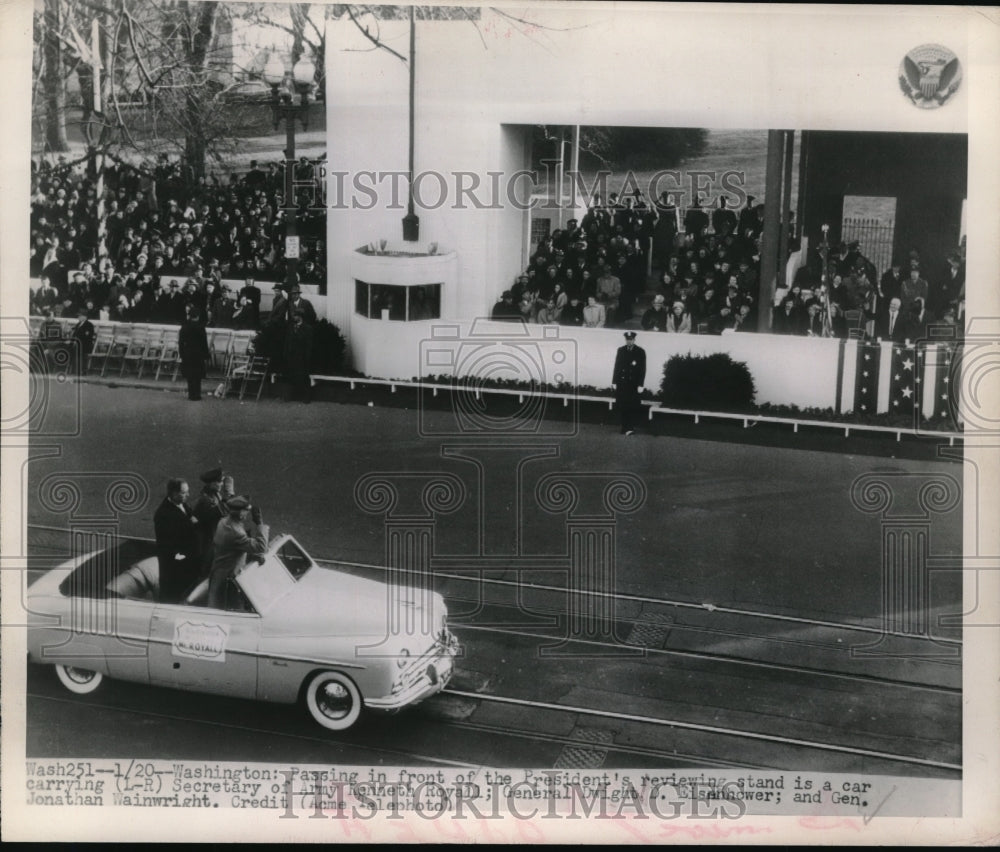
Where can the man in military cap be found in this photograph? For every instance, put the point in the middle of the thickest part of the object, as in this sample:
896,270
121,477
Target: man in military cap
209,509
233,542
627,381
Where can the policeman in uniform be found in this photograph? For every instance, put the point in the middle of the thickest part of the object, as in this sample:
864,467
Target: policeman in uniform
627,382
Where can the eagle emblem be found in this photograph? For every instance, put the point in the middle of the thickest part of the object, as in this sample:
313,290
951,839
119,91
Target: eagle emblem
929,75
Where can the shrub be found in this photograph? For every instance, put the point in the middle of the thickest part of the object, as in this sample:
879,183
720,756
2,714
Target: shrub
707,383
329,347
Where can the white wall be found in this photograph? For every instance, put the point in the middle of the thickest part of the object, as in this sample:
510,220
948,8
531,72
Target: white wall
798,371
594,64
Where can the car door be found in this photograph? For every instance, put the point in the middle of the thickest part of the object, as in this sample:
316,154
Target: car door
204,649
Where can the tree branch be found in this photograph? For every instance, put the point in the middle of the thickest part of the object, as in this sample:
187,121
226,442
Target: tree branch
373,39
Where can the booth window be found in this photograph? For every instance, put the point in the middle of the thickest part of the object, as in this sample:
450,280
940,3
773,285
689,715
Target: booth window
396,302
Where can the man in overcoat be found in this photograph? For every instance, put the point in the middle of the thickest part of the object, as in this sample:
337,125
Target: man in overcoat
176,543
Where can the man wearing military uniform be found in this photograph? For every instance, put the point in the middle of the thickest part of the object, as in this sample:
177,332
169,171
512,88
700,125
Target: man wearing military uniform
209,509
627,382
233,543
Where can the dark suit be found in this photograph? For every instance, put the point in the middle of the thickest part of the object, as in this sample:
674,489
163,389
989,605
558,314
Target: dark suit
176,550
900,328
192,343
629,375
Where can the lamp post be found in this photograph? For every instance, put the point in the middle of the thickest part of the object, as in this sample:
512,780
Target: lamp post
283,105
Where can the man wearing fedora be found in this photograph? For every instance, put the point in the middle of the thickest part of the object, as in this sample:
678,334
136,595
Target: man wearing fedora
627,381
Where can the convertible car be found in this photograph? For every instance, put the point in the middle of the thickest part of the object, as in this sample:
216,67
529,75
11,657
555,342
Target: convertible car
298,631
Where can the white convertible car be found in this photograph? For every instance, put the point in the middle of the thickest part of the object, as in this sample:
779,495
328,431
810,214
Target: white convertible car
304,632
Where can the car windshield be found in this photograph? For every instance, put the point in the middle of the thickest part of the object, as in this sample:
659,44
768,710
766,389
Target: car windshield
265,583
294,558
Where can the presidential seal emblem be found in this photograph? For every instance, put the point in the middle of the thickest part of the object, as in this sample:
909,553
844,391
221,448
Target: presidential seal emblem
929,75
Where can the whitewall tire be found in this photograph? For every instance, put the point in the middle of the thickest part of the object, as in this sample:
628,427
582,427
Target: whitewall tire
80,681
333,700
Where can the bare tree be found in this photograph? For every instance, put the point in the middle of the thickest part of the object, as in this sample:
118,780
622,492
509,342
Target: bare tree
53,82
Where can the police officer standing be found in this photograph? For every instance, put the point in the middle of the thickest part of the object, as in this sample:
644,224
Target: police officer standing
627,382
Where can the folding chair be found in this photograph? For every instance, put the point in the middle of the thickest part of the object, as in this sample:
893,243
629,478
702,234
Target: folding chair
251,370
104,338
119,346
154,348
218,346
853,318
169,353
703,328
239,350
855,334
135,352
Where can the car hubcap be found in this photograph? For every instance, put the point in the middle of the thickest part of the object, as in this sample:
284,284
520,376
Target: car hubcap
334,700
79,675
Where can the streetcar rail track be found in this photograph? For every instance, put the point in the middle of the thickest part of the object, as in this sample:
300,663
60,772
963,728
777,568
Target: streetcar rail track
621,596
712,729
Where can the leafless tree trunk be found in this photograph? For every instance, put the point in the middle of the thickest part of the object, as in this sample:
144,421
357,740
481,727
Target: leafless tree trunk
52,81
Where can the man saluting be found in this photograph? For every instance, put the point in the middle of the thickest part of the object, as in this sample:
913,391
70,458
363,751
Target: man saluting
628,380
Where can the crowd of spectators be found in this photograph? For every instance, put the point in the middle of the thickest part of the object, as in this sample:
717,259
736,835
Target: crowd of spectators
593,272
848,292
707,278
170,241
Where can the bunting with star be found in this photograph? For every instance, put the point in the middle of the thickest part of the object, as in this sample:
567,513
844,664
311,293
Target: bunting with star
868,364
903,384
938,377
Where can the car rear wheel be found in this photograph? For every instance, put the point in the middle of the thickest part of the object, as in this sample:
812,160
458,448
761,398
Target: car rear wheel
80,681
333,700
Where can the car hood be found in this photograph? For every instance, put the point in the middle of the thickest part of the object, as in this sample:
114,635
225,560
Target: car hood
327,602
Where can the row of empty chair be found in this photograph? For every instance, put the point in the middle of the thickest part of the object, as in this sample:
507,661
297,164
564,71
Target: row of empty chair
150,349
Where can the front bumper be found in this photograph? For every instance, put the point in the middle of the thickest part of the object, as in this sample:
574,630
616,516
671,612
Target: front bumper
426,676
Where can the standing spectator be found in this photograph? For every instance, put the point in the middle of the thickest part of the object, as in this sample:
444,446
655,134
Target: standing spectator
192,344
245,314
82,334
890,325
627,381
176,543
297,303
891,282
914,287
298,356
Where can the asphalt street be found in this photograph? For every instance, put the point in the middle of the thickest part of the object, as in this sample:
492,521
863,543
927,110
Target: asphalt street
758,527
739,575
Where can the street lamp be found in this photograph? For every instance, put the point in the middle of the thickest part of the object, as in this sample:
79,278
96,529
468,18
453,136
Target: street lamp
283,105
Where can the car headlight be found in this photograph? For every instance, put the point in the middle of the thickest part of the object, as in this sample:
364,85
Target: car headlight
403,658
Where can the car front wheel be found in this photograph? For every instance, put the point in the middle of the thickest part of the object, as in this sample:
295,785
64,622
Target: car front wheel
80,681
333,700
